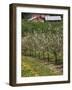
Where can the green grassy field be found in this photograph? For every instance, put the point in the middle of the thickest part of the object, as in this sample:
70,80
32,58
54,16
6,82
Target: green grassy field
35,67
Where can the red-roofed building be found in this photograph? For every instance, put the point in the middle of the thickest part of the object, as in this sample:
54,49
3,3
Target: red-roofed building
36,18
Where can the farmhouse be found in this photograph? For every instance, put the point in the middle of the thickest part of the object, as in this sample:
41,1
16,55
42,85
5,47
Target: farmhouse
36,18
42,18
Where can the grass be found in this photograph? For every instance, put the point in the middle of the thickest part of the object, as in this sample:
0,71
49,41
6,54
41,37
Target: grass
35,67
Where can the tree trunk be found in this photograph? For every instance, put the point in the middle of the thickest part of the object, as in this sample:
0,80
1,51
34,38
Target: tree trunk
48,57
43,54
55,55
39,55
35,52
